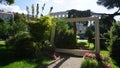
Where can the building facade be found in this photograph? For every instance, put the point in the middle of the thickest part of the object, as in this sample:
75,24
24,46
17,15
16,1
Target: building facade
80,27
7,16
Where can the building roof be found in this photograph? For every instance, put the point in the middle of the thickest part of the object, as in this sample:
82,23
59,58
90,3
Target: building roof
9,13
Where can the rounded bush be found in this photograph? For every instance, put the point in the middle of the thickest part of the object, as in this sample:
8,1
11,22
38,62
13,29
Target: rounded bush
89,63
21,45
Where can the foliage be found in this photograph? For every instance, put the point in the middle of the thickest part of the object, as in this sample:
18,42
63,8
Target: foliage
21,45
75,13
90,33
111,61
9,29
109,3
7,1
41,29
32,7
64,38
89,63
114,42
28,12
18,25
60,25
19,18
48,49
7,60
4,29
102,62
37,10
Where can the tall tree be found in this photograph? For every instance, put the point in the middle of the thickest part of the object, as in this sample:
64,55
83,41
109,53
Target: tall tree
27,9
32,10
37,10
43,8
51,8
7,1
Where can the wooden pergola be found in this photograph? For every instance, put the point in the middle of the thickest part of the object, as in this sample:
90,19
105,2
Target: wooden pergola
95,19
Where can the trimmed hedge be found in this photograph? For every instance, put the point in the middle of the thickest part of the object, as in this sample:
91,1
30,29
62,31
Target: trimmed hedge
21,45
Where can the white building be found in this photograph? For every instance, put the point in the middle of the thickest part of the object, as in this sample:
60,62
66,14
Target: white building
62,14
7,16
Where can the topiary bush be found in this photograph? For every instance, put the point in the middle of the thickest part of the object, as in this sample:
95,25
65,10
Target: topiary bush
21,45
89,63
40,30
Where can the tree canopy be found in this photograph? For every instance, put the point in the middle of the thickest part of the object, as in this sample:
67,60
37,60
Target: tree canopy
7,1
109,4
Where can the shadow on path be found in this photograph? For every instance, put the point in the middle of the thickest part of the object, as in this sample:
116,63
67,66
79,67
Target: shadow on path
64,58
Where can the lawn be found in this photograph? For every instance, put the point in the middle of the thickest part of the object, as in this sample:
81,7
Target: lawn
7,60
85,43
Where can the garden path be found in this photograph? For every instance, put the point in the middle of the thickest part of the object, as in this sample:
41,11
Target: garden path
67,61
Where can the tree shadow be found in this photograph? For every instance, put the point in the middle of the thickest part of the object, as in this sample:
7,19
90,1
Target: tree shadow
64,57
6,57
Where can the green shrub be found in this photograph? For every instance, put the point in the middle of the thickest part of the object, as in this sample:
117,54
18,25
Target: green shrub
19,24
64,38
89,63
4,29
114,42
40,30
21,45
17,27
89,33
48,49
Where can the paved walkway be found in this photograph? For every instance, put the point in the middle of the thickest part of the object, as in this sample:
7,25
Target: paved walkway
67,61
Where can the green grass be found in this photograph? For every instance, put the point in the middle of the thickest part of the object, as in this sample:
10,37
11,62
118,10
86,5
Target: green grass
20,64
106,53
85,43
7,60
2,44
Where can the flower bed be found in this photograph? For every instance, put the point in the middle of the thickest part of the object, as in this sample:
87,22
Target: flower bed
92,60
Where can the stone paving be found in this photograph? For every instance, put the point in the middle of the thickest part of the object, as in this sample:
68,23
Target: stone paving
67,61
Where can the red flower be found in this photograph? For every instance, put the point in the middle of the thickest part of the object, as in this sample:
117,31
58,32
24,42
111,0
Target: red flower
89,55
107,65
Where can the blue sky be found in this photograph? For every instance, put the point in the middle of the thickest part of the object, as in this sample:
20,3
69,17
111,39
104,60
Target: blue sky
58,5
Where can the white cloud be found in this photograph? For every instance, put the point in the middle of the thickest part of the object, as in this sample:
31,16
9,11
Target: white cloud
41,1
14,8
63,5
58,1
